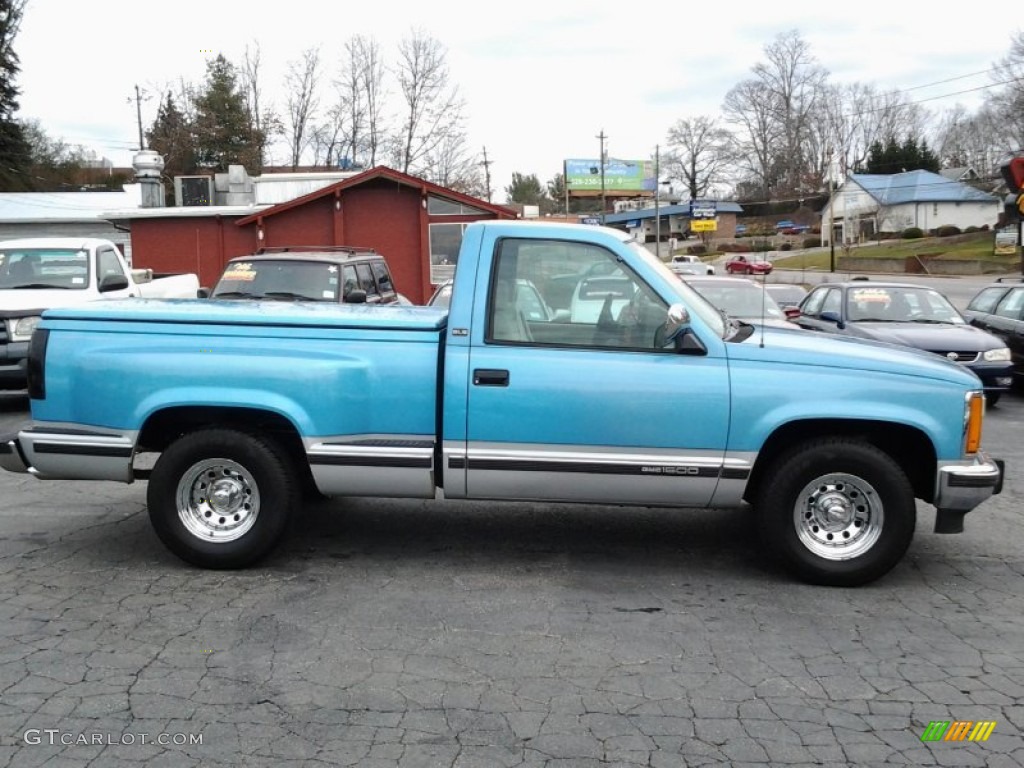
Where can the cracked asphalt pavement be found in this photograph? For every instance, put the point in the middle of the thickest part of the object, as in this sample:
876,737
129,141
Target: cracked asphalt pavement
400,634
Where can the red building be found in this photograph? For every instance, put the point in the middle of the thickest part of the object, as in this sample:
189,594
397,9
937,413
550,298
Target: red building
416,225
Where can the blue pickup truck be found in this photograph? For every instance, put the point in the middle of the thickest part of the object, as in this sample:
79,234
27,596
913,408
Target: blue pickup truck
626,387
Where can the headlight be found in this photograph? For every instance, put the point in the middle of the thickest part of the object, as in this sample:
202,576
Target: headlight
22,327
997,355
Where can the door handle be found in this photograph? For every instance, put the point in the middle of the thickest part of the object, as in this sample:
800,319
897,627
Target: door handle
490,377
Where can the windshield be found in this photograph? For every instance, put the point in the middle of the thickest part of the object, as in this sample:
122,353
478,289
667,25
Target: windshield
66,268
285,279
740,299
693,301
900,304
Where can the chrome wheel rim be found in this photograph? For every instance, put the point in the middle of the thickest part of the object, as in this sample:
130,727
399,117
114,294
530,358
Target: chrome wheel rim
838,516
218,500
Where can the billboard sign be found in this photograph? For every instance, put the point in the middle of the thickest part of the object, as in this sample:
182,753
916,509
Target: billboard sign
582,175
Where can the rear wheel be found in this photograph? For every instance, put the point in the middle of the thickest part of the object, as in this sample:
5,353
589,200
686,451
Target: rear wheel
222,498
993,398
837,512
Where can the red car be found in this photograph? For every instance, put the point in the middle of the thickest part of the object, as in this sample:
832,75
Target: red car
739,265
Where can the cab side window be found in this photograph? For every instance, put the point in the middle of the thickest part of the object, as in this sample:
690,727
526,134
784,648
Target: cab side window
383,276
833,301
108,263
812,306
367,283
986,300
570,294
1012,305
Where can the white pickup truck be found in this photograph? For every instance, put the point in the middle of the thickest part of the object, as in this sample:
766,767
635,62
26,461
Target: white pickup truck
48,272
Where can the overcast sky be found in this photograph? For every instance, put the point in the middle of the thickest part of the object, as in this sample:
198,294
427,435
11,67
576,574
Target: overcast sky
540,79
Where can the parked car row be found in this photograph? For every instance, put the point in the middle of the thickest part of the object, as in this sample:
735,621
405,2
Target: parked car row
988,338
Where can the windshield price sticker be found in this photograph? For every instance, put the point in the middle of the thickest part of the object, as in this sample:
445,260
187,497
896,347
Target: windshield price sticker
243,272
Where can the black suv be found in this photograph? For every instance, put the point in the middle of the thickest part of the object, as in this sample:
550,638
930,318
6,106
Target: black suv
322,273
999,309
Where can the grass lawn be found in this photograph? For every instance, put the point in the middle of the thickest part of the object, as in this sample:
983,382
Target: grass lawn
956,248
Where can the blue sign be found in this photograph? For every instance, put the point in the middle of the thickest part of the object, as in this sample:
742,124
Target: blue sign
591,220
703,209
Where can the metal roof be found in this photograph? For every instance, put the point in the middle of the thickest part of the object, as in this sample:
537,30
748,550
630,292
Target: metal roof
722,206
42,207
918,187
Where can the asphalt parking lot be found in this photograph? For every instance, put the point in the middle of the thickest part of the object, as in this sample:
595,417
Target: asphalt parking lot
406,633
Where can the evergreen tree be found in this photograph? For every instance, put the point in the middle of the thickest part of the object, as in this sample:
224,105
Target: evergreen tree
525,190
893,157
223,128
15,156
172,136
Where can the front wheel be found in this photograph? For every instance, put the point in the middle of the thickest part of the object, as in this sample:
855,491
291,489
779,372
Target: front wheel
993,398
837,512
222,498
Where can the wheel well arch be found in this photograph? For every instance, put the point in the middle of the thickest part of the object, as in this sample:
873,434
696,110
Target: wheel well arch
908,446
165,426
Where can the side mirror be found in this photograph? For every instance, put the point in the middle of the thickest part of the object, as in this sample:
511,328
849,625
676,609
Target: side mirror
203,293
355,296
112,283
792,312
833,317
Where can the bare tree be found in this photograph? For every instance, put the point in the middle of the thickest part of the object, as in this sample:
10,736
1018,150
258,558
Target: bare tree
301,81
453,165
750,110
697,153
795,82
262,119
371,81
1007,103
432,106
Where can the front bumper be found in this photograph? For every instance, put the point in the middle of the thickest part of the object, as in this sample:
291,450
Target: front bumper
13,365
996,377
961,486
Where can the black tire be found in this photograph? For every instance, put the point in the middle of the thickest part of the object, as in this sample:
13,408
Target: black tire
836,512
257,493
992,399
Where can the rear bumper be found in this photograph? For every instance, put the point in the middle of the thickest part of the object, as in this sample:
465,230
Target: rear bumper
11,457
59,452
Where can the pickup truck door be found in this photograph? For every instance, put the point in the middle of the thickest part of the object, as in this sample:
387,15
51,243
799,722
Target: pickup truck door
580,403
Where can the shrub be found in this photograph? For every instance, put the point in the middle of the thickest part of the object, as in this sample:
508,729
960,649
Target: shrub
947,230
812,242
912,233
971,230
696,250
786,247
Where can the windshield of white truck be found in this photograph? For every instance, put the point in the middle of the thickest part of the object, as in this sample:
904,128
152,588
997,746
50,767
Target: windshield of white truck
44,268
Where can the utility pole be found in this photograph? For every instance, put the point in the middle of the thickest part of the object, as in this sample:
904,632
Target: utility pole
138,112
604,205
657,210
487,173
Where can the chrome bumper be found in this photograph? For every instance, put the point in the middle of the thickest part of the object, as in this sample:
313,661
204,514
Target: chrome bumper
961,487
11,457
